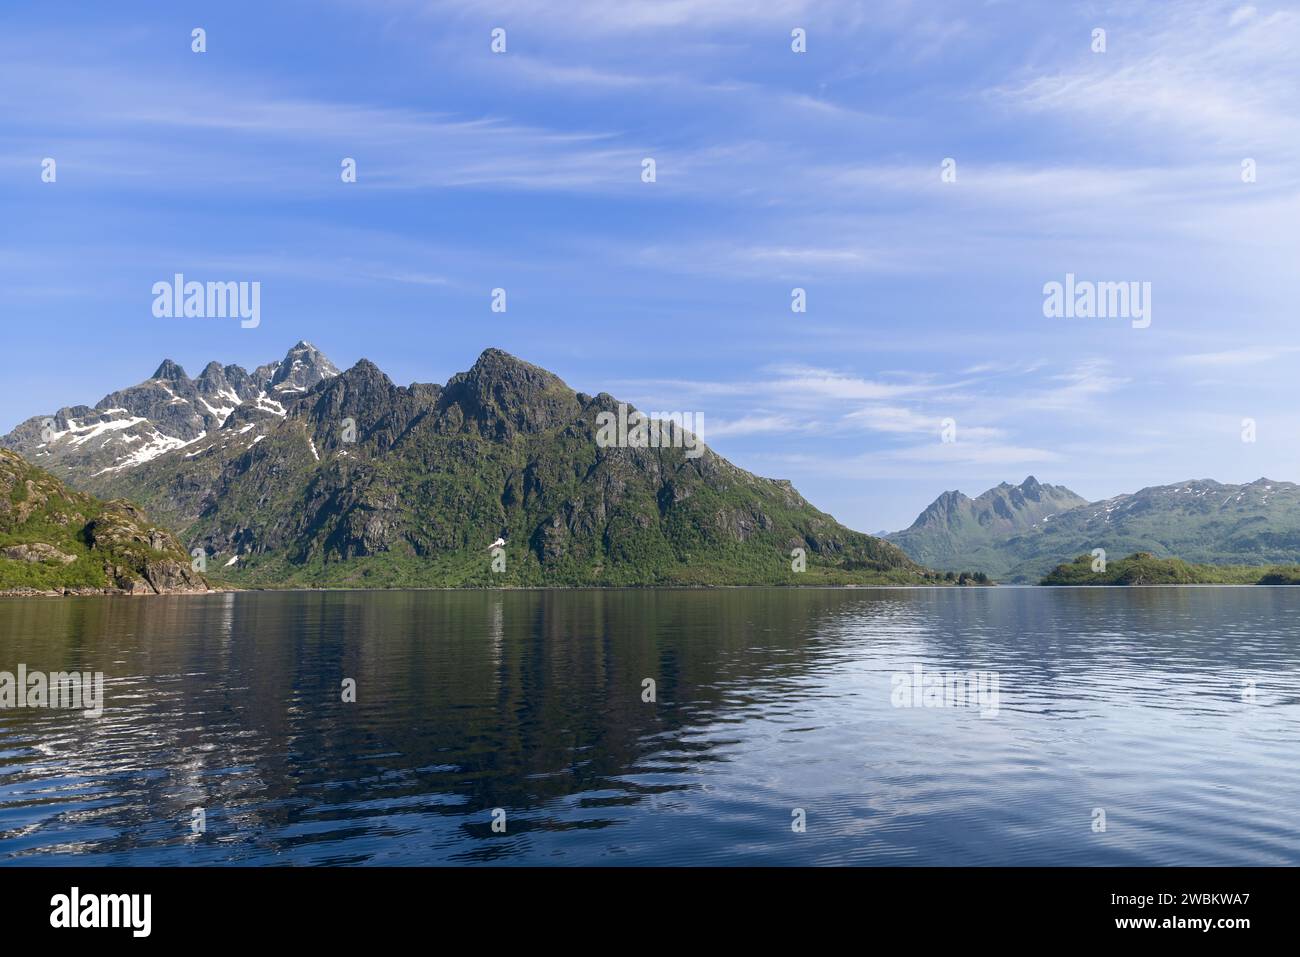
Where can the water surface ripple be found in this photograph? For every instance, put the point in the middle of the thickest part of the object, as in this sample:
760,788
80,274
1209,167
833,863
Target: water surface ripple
1132,701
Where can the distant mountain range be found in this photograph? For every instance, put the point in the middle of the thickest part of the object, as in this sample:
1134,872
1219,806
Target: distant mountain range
167,411
297,474
957,532
1020,533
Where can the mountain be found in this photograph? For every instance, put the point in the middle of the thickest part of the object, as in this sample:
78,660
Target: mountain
1198,521
167,411
957,532
56,540
364,482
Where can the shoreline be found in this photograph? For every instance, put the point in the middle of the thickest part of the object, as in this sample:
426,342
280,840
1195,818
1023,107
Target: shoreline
612,588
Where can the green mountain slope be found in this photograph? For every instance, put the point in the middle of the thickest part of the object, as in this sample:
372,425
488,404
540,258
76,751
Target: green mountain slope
1201,522
54,539
957,532
435,474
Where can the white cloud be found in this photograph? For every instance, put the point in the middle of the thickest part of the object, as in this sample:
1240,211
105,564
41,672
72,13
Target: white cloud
1199,73
964,453
893,418
753,425
1241,15
1235,357
628,16
900,420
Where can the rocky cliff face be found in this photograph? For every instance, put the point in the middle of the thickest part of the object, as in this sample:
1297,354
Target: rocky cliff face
54,540
366,482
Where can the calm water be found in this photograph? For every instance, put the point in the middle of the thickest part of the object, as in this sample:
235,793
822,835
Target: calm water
1129,700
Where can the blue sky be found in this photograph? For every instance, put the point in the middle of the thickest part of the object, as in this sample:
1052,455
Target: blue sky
775,170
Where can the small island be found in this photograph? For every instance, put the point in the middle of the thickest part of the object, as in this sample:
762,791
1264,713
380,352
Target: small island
1143,568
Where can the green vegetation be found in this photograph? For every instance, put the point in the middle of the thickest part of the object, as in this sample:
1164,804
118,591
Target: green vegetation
967,578
1143,568
54,539
435,474
956,531
524,570
1021,533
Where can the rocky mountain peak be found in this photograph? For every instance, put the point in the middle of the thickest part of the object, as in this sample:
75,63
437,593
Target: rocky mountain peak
170,371
301,368
941,511
165,412
362,380
950,532
363,393
497,365
502,395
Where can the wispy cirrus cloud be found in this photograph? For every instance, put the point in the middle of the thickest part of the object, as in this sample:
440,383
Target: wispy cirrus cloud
1220,72
629,16
1232,358
775,170
757,425
975,452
